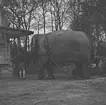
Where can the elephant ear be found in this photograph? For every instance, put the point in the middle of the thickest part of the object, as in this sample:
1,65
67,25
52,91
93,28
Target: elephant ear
35,44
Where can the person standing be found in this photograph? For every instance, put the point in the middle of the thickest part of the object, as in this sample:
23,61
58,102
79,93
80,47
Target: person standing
14,52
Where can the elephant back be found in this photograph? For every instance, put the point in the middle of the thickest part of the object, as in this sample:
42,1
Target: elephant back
69,45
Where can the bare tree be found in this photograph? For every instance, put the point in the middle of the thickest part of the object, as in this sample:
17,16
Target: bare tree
37,20
20,14
59,16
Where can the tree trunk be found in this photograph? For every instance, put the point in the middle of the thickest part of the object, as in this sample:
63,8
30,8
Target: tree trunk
38,28
44,21
51,18
97,31
26,44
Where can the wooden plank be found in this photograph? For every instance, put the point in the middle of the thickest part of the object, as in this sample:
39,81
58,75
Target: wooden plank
15,32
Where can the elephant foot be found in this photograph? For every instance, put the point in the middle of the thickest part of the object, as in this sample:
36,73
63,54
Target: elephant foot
41,78
76,77
50,78
77,73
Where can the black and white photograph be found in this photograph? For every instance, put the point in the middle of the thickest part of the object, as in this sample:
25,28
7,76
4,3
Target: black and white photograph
52,52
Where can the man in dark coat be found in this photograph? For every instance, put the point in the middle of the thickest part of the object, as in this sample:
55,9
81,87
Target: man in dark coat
14,52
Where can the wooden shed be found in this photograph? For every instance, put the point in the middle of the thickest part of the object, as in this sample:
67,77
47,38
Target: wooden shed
7,33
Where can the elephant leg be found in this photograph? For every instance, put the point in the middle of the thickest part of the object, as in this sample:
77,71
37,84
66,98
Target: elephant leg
82,71
49,67
78,71
86,71
41,74
41,65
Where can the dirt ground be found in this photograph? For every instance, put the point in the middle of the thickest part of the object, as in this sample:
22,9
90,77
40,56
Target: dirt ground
61,91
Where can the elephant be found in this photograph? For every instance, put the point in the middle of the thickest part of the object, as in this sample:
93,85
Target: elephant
62,47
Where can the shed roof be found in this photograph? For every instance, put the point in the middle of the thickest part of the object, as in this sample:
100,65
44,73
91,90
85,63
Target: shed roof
12,33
